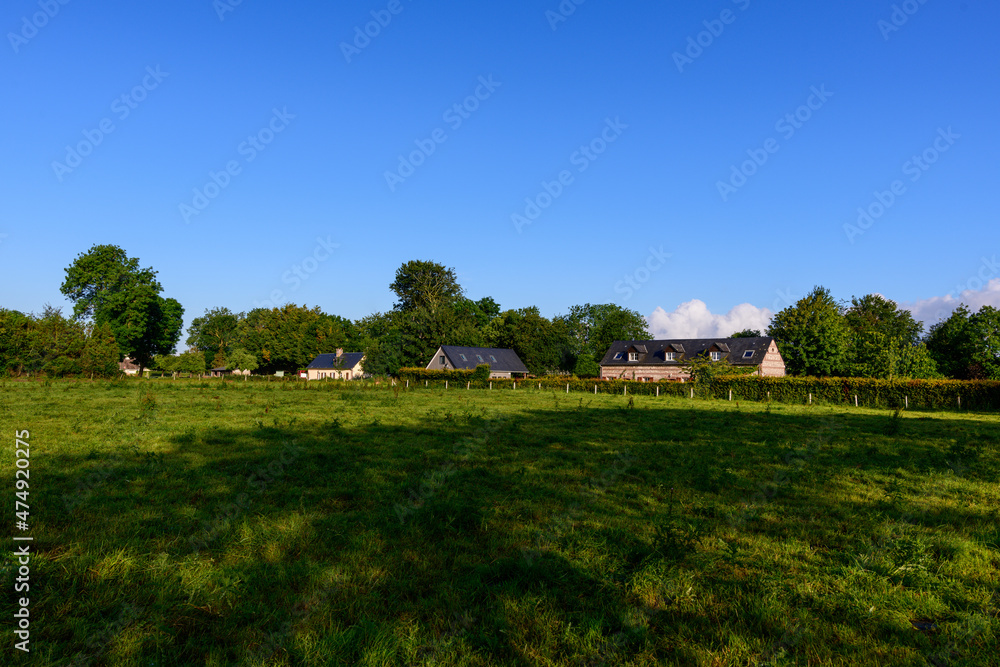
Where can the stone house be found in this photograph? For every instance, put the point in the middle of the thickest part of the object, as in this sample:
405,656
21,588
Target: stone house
654,360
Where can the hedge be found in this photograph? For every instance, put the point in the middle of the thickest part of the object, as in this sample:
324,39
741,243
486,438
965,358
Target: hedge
870,392
422,374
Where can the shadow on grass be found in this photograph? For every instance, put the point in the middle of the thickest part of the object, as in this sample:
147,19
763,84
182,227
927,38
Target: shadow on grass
575,535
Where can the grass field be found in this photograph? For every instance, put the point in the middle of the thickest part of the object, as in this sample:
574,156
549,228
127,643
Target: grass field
231,523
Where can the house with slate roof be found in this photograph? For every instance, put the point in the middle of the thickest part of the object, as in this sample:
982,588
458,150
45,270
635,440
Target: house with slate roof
339,366
654,360
503,363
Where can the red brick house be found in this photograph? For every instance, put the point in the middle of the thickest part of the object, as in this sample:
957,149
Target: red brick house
654,360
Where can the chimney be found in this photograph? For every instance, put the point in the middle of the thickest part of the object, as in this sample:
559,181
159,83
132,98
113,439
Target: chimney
340,352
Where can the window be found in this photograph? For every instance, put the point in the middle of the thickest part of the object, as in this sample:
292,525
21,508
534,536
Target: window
748,354
493,358
670,356
443,363
716,356
633,356
618,356
479,356
463,357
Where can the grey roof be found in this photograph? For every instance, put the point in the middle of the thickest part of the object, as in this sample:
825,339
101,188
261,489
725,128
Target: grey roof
733,350
345,361
501,361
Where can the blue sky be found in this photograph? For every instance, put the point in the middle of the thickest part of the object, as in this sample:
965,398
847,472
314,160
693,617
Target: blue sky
641,108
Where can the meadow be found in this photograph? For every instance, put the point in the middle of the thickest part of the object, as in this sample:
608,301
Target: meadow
219,522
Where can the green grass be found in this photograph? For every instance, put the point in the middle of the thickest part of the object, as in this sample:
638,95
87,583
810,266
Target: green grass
497,528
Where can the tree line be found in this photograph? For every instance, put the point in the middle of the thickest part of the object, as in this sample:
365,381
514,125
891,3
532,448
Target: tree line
118,311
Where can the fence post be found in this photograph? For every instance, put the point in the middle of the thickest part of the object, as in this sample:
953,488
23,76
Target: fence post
657,390
407,384
855,400
515,385
567,387
730,394
491,386
445,384
769,396
692,392
539,386
960,402
906,402
810,398
468,385
626,391
425,383
595,390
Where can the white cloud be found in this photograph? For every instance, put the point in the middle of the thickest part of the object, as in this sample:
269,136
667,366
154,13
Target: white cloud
693,319
938,308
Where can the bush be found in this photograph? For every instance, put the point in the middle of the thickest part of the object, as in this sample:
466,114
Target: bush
421,374
482,372
871,392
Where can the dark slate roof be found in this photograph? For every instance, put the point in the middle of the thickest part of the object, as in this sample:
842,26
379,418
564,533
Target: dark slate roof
732,349
333,362
507,361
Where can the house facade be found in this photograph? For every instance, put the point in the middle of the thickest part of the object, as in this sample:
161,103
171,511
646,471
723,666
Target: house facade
128,366
503,363
338,366
655,360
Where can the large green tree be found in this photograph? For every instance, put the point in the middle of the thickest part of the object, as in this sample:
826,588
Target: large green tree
812,335
380,338
966,346
110,288
425,284
594,327
885,341
289,338
214,332
952,344
543,345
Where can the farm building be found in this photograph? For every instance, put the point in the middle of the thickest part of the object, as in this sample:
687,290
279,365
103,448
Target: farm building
339,366
654,360
503,363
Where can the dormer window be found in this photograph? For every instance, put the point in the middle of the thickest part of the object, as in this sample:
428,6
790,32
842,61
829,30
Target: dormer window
633,356
716,356
670,356
748,354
